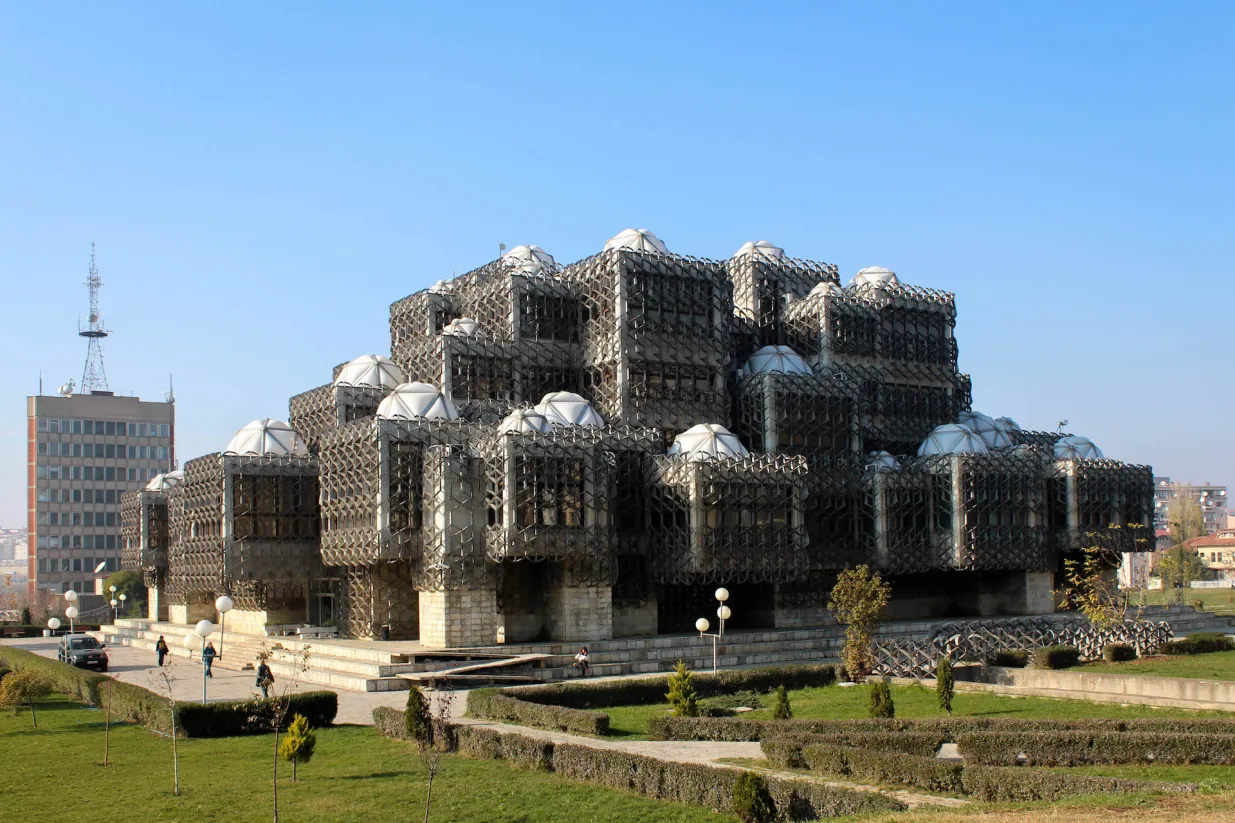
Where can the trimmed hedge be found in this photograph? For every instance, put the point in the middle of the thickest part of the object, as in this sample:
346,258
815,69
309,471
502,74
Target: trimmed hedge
237,717
27,630
492,704
885,767
1096,748
1056,657
922,744
1202,643
700,785
1011,658
389,722
1118,653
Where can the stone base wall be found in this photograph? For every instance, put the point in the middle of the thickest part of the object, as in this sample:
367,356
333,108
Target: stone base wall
798,618
1016,593
156,606
467,617
635,621
255,621
579,613
190,614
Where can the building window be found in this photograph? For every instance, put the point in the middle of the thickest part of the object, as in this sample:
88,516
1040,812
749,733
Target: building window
42,425
53,425
76,427
42,565
164,430
42,449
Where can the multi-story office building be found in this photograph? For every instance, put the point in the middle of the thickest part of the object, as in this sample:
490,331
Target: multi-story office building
1210,499
85,450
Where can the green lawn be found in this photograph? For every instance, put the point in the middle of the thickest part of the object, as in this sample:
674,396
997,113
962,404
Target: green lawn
1213,666
1215,776
1219,601
836,702
52,775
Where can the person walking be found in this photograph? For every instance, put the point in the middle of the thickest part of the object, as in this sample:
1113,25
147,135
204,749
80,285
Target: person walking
161,650
208,656
265,677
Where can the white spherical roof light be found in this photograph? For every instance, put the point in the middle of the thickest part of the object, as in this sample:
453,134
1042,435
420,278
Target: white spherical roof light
637,239
952,438
165,482
873,277
463,327
524,421
760,248
529,260
1075,447
777,360
707,441
372,371
268,436
442,287
564,408
882,461
993,435
825,287
417,401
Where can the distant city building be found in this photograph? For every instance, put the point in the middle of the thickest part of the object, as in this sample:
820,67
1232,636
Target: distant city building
1210,499
1217,552
84,452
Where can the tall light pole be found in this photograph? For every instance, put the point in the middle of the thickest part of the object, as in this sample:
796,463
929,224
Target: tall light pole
71,611
203,629
123,597
115,611
224,605
723,613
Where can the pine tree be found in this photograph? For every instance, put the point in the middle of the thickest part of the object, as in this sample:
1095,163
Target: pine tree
682,695
298,743
880,703
417,718
782,710
945,686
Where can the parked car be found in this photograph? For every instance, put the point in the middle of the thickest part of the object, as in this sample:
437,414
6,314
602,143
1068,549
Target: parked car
82,651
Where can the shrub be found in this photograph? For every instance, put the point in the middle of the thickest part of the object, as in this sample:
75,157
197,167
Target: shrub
1011,658
885,767
1202,643
994,784
782,711
238,717
417,719
389,722
25,689
1198,604
786,751
491,704
1056,657
682,695
945,686
298,746
1118,652
879,704
858,600
752,802
3,671
1081,748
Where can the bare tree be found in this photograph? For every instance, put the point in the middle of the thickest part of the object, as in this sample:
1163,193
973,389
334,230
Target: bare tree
271,713
163,681
431,744
109,687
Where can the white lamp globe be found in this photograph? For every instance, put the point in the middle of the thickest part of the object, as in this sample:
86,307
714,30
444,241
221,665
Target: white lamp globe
702,624
723,613
224,604
70,595
722,594
54,623
71,612
114,602
111,589
203,629
191,641
123,597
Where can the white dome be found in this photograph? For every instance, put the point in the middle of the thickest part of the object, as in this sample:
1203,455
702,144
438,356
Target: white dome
371,371
1008,424
825,287
882,461
416,401
524,421
268,436
760,248
463,327
707,441
952,438
529,260
992,434
563,408
873,276
1076,447
165,482
637,239
442,287
777,360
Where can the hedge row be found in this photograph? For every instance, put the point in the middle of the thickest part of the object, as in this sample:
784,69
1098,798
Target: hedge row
922,744
1202,643
1118,653
492,704
1056,657
700,785
741,729
985,783
26,630
1089,748
147,708
1011,658
644,690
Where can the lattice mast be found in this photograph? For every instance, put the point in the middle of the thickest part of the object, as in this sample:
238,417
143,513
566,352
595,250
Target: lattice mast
94,374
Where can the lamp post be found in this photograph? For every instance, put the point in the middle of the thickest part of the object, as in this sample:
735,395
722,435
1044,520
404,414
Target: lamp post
224,605
115,611
723,613
203,629
123,597
53,624
71,611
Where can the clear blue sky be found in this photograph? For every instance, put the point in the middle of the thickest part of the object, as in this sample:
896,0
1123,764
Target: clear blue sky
264,179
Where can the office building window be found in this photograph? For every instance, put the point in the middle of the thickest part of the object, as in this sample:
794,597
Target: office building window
53,425
76,427
42,449
42,425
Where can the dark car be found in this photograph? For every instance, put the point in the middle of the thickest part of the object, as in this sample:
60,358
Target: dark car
82,651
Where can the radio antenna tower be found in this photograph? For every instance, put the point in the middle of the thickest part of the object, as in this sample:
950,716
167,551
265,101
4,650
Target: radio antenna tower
94,375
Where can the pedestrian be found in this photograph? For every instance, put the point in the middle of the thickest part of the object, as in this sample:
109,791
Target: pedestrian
265,678
208,655
582,661
161,649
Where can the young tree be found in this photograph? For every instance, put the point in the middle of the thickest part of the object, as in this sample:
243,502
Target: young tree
1091,587
782,710
423,725
682,695
299,743
945,686
271,713
858,600
1186,522
752,801
417,717
879,702
106,689
24,688
163,681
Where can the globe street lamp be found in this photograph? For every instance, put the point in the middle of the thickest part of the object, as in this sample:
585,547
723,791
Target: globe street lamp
203,629
53,624
724,613
123,597
71,611
115,611
224,605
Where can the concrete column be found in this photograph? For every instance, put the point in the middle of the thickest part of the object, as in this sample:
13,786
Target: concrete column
579,613
451,619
